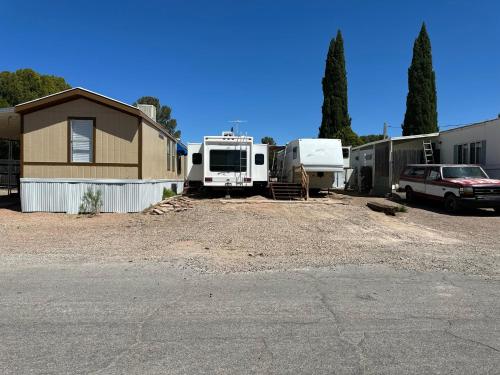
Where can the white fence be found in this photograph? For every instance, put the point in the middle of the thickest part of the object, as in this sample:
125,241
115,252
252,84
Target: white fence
65,195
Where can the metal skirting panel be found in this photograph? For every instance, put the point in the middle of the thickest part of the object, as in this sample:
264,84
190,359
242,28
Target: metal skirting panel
121,196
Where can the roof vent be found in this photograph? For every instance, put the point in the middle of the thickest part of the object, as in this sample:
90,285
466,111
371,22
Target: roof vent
148,109
227,134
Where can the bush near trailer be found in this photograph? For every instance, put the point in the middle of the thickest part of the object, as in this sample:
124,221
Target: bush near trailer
168,193
91,202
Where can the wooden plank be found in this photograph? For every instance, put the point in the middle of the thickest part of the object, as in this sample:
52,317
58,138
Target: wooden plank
380,207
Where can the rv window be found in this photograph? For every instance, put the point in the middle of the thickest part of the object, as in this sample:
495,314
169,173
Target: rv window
259,159
345,153
228,161
294,153
196,159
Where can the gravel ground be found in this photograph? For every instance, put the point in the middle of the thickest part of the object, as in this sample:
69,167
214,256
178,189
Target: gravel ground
218,236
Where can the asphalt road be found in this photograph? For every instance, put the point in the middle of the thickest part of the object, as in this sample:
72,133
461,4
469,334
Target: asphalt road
151,319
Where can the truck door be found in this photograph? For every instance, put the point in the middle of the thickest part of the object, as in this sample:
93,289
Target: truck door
432,185
417,175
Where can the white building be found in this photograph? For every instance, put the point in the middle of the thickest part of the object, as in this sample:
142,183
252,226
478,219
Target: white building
477,143
377,165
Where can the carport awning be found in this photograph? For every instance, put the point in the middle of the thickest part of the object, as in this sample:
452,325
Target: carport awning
10,124
181,149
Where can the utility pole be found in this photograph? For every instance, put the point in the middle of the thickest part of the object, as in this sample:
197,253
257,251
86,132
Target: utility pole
385,131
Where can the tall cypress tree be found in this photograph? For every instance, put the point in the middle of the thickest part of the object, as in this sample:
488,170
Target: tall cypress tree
421,102
336,122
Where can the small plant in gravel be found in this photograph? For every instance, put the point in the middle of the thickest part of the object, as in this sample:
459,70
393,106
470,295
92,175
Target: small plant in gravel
91,202
168,193
402,208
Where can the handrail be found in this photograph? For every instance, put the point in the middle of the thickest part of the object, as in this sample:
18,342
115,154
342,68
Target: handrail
304,180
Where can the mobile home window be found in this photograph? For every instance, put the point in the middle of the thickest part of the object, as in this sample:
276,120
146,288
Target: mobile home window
173,155
345,153
294,153
259,159
228,161
167,144
476,149
196,158
82,141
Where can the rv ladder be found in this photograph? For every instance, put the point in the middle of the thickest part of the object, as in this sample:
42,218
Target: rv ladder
428,152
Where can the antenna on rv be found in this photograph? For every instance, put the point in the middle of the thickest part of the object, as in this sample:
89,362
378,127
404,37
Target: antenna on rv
237,122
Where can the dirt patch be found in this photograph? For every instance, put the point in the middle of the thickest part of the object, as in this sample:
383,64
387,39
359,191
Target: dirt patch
260,235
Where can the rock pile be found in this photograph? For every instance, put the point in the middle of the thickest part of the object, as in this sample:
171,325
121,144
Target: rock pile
173,204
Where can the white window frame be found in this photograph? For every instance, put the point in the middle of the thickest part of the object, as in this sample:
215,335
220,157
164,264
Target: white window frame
71,141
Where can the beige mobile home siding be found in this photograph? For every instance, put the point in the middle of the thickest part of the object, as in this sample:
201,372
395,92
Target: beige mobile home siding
154,154
45,140
80,171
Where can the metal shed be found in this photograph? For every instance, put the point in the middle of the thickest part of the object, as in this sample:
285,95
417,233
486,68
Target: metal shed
378,165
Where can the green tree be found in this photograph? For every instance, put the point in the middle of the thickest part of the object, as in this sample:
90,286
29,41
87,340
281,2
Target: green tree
268,141
421,102
25,84
163,114
370,138
336,122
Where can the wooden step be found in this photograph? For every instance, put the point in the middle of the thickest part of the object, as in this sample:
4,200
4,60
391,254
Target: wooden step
286,190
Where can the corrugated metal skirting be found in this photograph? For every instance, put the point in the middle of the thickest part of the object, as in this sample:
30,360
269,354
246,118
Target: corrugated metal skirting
58,195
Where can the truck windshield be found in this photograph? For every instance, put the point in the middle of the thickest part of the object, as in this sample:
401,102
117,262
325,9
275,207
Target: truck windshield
463,172
228,161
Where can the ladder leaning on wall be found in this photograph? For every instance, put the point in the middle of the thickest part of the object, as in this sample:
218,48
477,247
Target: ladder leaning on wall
428,152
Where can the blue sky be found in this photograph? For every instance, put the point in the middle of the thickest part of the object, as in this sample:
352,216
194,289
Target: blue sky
261,61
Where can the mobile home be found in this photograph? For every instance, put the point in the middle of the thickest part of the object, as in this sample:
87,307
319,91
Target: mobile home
466,144
321,158
77,139
227,161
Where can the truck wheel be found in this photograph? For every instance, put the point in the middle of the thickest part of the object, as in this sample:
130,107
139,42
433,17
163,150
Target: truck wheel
410,195
451,203
497,210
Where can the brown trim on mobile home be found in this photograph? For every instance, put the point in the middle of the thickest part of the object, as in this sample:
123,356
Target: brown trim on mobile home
21,145
93,140
77,93
139,151
62,163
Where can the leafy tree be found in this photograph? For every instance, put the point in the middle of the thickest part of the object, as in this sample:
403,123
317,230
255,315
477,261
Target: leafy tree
269,141
370,138
421,102
163,114
336,122
25,84
4,103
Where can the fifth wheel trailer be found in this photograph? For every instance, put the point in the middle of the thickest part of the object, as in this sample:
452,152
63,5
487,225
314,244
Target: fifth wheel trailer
322,160
227,161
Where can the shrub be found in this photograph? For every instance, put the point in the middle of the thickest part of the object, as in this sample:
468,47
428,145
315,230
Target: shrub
402,208
91,202
167,193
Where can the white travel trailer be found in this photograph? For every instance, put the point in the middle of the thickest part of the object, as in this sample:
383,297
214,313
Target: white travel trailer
322,160
227,161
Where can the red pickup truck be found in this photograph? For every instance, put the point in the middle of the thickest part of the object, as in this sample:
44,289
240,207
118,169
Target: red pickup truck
456,185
